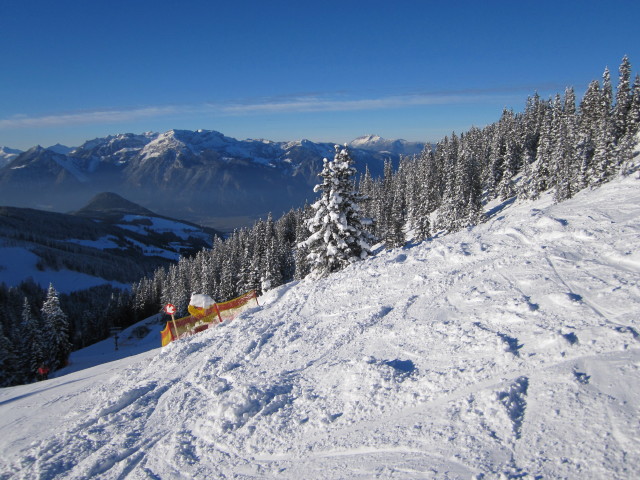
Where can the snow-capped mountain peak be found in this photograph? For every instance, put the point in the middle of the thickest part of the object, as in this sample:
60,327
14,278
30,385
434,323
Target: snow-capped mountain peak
9,151
185,142
367,140
378,144
163,142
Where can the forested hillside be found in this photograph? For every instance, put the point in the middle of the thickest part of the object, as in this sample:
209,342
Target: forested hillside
90,257
555,144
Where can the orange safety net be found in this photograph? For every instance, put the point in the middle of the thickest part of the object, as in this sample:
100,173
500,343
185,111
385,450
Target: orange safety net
186,326
200,312
166,336
201,319
231,309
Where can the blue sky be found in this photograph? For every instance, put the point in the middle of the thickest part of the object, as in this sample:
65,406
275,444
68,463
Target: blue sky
284,70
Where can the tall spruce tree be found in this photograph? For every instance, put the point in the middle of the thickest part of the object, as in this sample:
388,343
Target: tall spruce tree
506,187
426,193
634,110
607,92
468,178
600,170
541,168
271,268
588,121
383,200
32,353
56,324
8,361
301,252
564,153
624,98
395,236
337,234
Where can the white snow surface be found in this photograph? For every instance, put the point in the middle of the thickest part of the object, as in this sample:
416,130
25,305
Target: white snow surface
162,225
201,300
510,350
103,243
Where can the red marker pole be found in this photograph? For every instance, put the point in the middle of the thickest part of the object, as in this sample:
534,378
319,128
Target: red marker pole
171,310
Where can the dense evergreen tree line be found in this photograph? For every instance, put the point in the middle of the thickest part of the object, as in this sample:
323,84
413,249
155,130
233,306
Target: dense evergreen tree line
41,327
40,338
257,258
554,145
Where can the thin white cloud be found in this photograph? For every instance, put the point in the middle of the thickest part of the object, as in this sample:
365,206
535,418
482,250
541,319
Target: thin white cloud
318,104
84,117
299,104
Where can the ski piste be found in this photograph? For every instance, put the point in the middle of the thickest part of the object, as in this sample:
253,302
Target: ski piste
509,350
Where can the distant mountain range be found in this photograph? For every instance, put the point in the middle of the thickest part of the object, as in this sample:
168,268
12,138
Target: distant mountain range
110,240
202,176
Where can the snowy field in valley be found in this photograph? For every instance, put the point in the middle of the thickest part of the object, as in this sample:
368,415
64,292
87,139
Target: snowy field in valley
19,263
510,350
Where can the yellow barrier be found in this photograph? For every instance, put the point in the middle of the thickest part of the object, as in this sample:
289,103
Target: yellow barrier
201,319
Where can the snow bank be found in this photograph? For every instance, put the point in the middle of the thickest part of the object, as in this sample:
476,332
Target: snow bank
201,300
510,350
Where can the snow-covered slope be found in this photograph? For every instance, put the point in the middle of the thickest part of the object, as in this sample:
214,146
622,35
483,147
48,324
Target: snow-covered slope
510,350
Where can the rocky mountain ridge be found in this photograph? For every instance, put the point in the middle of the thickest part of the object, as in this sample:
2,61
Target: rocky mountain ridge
201,176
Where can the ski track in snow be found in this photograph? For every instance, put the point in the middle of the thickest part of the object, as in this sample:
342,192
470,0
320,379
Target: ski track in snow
510,350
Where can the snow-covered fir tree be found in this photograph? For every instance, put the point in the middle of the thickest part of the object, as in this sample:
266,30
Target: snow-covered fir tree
624,99
56,324
32,352
395,236
337,234
271,276
418,203
301,252
633,121
8,361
